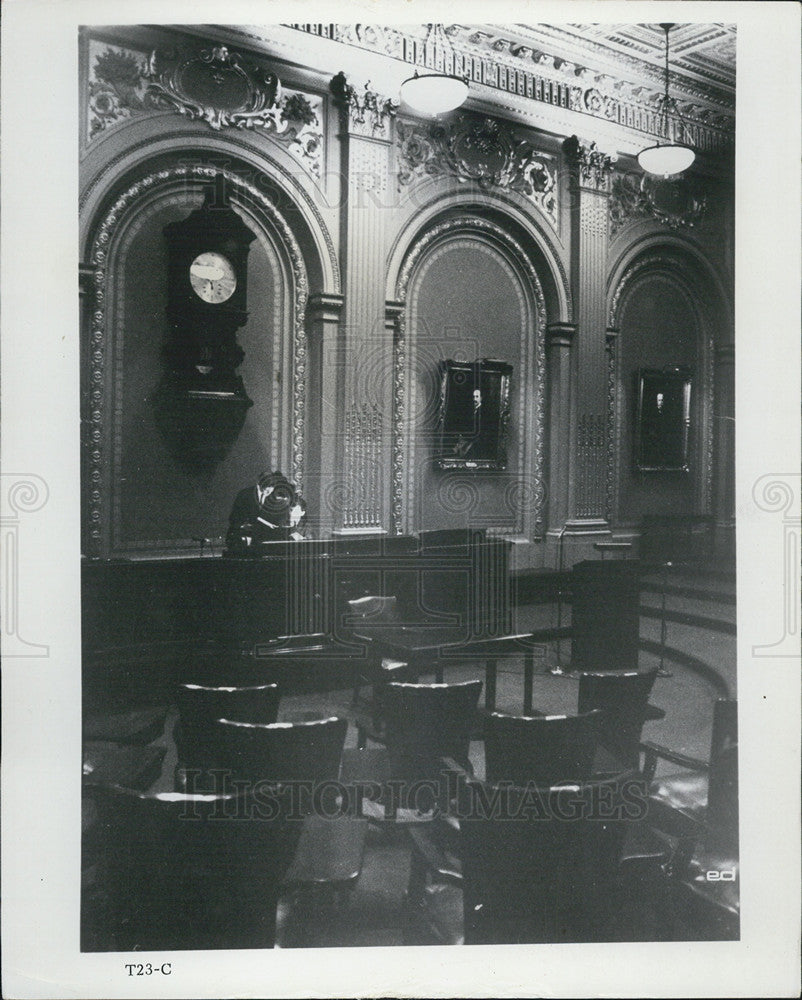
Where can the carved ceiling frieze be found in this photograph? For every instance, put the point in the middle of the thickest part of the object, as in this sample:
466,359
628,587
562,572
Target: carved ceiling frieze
679,203
499,60
482,150
214,85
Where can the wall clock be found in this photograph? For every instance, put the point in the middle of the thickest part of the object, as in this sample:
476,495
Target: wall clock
201,402
212,277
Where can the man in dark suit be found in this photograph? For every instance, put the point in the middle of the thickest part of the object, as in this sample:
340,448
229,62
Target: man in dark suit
270,511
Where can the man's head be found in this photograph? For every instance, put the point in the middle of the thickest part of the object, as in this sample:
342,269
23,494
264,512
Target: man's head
275,491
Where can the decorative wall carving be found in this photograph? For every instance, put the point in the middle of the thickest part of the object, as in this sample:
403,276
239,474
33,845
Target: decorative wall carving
396,315
676,202
363,465
214,85
368,112
101,332
591,443
478,149
612,450
593,166
116,85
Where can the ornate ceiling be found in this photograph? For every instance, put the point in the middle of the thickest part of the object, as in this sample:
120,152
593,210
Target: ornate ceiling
702,55
602,80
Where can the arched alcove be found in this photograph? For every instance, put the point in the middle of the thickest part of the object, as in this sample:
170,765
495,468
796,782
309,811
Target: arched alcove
470,292
127,460
668,313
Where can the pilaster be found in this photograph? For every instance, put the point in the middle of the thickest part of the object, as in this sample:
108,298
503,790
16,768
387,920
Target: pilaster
560,337
367,350
589,184
724,443
324,314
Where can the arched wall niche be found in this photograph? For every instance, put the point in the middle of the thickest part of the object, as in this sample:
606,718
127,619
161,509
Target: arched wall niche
510,213
467,288
668,307
125,461
147,145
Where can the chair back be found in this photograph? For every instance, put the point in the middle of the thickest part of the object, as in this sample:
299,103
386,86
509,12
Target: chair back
623,698
545,749
199,707
283,752
722,792
425,722
541,864
188,871
725,726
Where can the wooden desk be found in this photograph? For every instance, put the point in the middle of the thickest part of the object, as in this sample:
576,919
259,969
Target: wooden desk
428,648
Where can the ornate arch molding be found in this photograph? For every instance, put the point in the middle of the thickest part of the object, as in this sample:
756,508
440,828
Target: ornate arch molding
157,148
683,257
678,269
509,216
513,252
105,236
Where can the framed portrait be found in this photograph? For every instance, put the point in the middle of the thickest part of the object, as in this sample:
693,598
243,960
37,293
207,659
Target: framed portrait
473,416
662,419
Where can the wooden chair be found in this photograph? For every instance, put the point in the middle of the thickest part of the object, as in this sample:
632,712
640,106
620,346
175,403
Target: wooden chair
535,864
544,749
363,615
304,758
425,722
698,809
199,706
283,752
422,724
624,700
184,871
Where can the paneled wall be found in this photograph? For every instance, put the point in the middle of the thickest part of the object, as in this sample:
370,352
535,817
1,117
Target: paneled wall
383,247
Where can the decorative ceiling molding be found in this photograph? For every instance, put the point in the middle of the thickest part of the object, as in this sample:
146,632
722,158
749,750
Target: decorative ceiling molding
602,81
479,149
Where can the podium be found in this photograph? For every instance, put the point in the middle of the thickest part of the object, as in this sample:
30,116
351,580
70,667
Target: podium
605,615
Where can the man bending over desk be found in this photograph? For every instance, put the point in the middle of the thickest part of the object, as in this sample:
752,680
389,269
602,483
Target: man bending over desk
270,511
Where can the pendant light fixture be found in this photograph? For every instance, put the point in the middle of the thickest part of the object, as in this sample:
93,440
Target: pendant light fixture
673,156
436,93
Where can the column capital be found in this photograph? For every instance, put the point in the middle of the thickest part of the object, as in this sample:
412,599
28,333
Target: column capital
590,166
561,334
365,113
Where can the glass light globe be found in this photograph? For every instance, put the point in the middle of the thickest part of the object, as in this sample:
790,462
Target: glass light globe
434,93
665,160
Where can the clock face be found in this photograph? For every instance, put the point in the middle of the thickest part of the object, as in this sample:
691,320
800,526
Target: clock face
212,278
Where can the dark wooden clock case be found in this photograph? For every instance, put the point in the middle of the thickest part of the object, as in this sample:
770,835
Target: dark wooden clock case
201,402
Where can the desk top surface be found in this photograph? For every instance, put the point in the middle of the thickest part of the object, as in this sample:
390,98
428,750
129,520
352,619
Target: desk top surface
412,639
